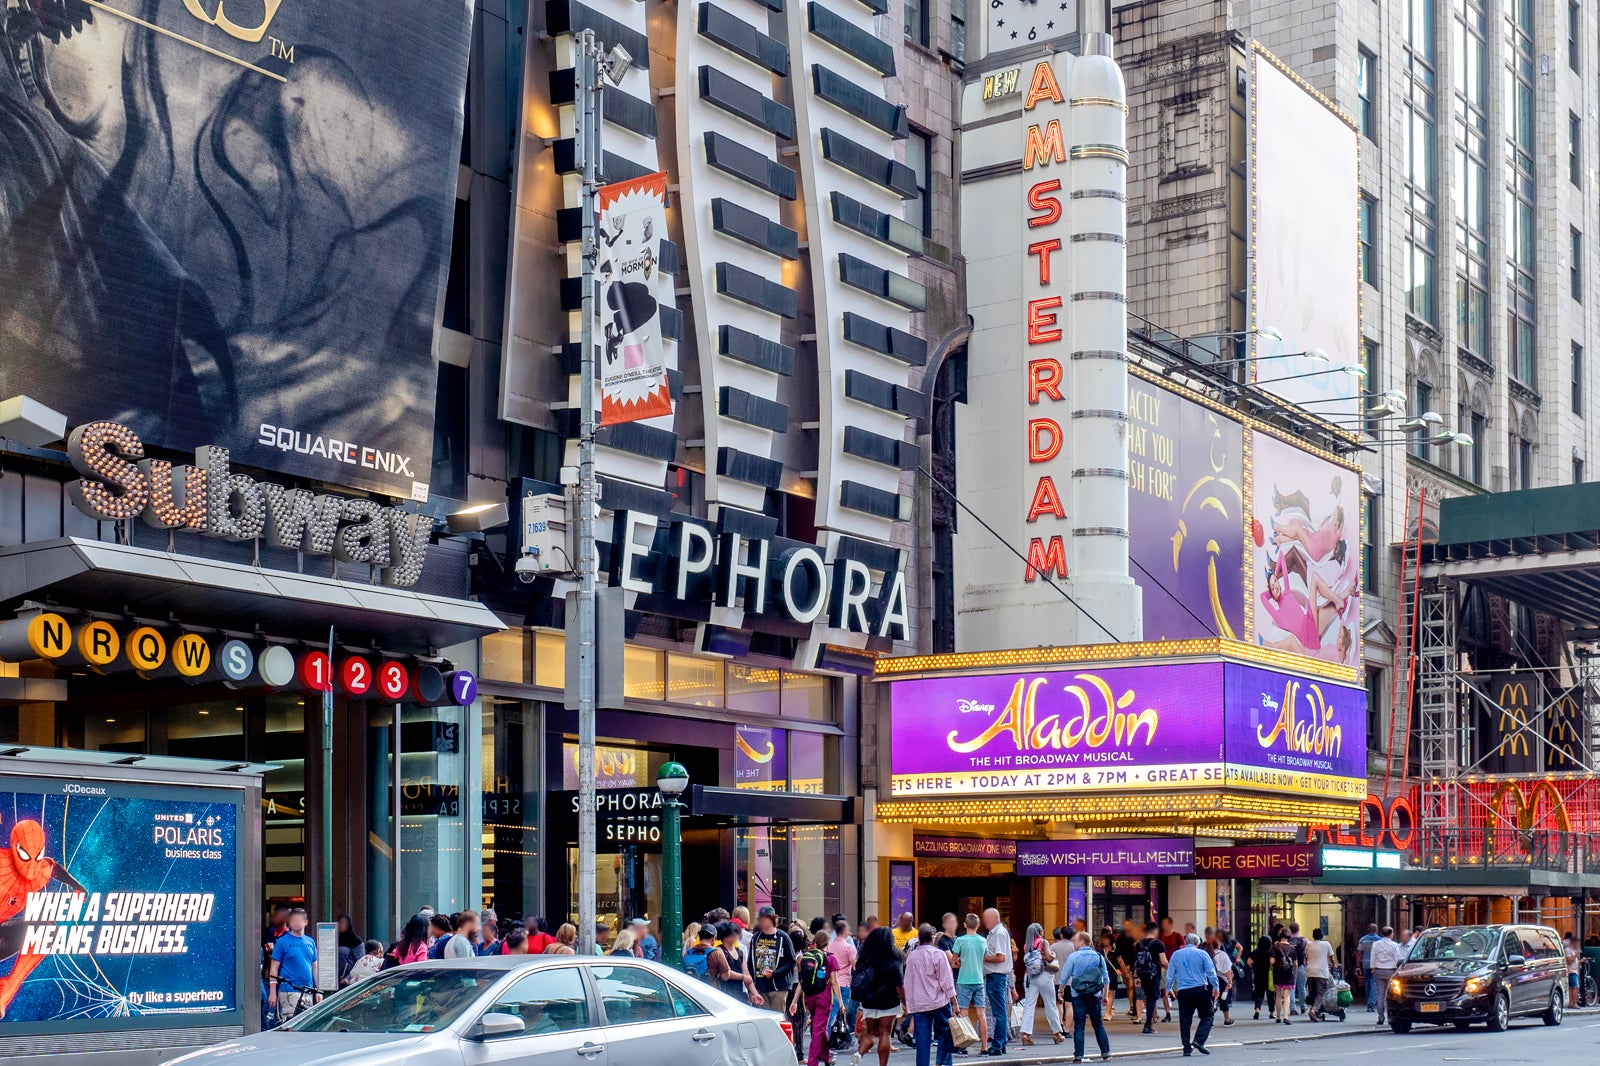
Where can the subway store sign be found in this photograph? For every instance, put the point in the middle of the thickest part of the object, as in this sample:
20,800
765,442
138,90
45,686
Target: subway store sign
154,653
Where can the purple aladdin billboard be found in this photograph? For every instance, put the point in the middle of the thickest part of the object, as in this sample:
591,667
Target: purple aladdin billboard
1127,728
1133,727
1301,735
1186,515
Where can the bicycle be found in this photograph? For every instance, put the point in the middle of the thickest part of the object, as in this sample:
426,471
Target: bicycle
1588,992
304,999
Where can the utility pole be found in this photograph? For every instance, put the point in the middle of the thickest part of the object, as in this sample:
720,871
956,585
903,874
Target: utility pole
586,136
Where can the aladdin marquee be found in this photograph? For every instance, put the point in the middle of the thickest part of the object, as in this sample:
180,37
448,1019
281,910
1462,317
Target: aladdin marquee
1211,735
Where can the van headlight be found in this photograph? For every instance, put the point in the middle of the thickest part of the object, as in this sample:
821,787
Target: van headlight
1477,984
1395,986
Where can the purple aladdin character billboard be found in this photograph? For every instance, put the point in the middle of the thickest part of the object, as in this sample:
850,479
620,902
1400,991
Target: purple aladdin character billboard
1307,574
1133,727
1185,515
1125,728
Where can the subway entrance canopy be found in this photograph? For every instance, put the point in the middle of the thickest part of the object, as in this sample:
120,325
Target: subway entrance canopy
1538,547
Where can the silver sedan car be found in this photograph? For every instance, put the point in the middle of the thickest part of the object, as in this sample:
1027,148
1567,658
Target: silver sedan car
553,1010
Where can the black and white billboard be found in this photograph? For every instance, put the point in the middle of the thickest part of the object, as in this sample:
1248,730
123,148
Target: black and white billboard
227,221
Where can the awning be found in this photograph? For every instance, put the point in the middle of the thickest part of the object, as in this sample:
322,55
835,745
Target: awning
1410,881
118,578
1539,547
739,806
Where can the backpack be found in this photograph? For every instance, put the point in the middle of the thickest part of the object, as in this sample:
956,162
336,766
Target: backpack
1033,961
1145,966
1089,982
696,963
813,972
437,950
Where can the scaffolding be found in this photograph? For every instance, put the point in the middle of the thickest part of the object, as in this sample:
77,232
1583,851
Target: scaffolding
1440,723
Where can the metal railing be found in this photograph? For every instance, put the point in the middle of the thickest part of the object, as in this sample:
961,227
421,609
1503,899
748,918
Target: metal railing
1549,851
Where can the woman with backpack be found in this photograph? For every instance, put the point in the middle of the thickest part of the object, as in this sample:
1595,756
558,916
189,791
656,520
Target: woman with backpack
818,984
728,970
1283,967
1260,973
879,986
1039,967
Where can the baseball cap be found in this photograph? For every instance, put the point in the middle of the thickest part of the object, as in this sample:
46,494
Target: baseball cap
766,912
639,922
601,927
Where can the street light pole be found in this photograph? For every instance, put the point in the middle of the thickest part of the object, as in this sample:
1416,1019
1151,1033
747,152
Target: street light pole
672,779
586,137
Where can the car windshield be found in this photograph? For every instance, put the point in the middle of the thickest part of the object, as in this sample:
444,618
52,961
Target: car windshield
1441,944
399,1001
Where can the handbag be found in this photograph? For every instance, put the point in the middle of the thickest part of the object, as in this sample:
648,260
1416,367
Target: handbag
839,1034
962,1034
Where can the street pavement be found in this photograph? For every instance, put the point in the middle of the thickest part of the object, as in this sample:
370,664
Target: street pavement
1262,1042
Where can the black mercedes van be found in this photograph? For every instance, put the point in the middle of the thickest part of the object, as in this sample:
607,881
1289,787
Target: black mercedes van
1480,973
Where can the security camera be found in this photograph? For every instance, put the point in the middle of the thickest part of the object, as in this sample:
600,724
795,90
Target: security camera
528,567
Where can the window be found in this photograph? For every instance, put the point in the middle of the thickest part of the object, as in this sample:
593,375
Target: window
1369,544
1524,363
916,12
1524,463
1574,22
632,994
1369,359
550,1000
1478,426
958,30
1575,268
1424,404
1369,240
1577,378
1422,164
919,157
1575,149
1577,470
1366,88
1376,740
1471,199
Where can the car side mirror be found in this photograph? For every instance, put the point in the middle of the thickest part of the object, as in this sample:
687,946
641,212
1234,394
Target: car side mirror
1516,960
494,1025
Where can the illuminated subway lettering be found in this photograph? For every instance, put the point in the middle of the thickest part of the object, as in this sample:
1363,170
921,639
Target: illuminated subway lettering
119,483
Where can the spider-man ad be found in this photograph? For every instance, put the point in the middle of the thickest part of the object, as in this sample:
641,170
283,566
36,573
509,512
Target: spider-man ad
117,902
229,222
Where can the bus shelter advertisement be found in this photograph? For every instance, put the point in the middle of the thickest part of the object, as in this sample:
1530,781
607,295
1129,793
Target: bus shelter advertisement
118,902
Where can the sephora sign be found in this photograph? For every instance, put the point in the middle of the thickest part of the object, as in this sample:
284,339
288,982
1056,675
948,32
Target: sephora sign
690,566
208,498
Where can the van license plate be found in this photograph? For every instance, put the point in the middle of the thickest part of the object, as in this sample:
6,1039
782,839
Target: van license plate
1430,1008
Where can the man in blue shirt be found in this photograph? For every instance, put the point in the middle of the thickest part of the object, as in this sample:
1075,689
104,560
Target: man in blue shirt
1365,944
292,977
1085,977
1193,976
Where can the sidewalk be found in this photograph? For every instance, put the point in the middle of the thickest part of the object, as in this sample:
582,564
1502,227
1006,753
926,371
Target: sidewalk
1127,1038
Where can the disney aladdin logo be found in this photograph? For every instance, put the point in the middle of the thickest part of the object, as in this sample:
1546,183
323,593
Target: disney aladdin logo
1314,735
1098,718
248,34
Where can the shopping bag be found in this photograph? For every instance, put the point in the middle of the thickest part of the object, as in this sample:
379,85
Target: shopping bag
962,1034
1016,1018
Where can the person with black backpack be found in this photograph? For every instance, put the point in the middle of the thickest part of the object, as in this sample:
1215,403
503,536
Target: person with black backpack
1149,966
816,969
